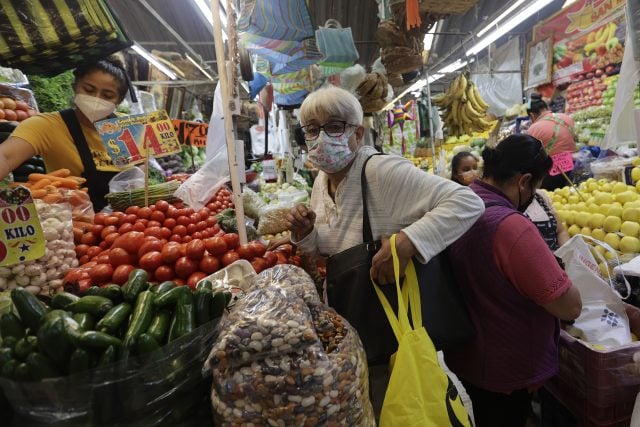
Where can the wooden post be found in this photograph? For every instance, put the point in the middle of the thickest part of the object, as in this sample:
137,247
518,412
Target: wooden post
146,173
228,121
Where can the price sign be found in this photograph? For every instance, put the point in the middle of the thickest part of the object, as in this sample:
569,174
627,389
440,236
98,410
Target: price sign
191,133
562,162
128,138
21,237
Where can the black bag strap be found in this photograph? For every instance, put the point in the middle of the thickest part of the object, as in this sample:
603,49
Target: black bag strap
367,234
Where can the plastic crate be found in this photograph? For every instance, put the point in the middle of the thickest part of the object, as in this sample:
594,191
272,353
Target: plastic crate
598,386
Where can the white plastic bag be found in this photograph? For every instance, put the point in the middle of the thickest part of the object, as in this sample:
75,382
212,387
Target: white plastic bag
202,185
603,319
127,180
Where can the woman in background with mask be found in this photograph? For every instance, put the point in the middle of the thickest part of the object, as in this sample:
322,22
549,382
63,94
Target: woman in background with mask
513,287
427,212
68,139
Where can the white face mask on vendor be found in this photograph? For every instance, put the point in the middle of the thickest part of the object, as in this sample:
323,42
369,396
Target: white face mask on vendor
94,108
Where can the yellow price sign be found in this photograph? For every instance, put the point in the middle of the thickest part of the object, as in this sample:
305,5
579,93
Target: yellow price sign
21,237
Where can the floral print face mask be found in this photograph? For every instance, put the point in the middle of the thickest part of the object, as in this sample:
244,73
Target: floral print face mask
331,154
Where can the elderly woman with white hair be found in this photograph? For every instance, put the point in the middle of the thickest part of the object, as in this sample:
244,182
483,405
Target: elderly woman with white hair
427,212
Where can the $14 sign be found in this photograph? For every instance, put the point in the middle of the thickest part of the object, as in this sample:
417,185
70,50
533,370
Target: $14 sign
128,138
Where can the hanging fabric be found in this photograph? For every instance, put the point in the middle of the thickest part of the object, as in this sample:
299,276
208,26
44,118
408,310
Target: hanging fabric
276,19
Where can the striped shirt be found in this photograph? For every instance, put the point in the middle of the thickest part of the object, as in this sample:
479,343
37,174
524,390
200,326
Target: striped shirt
432,211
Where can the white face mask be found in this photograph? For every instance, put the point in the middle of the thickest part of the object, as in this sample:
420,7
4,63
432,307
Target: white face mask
94,108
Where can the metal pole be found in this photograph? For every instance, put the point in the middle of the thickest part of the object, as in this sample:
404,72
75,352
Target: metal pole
228,122
433,137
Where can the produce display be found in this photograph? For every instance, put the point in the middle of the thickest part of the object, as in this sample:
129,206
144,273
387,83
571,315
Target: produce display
610,213
186,161
124,199
44,275
587,93
463,109
284,358
74,334
15,110
169,241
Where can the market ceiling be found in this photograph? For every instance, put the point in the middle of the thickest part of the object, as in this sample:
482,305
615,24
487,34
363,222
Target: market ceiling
180,26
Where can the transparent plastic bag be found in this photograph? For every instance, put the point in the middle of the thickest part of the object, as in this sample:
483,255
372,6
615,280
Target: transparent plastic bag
610,167
205,183
168,387
44,275
127,180
252,202
284,358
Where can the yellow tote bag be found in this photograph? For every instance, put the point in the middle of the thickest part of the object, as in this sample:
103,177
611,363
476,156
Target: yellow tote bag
419,394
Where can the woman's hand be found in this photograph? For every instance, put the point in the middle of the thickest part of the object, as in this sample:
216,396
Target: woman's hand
300,221
382,264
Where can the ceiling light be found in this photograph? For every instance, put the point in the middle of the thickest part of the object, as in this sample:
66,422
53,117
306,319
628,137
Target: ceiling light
507,26
199,67
454,66
568,3
204,8
500,18
417,85
428,38
154,61
434,78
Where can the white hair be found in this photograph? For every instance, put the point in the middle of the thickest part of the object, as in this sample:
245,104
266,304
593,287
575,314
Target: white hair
331,102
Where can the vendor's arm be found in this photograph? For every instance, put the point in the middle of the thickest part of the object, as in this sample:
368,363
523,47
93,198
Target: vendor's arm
13,152
525,259
438,210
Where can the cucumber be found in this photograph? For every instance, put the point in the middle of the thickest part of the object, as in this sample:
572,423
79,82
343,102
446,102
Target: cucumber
113,292
55,339
137,283
142,316
97,340
10,326
170,298
25,346
205,284
79,361
218,304
183,318
63,299
202,301
164,287
9,342
159,326
21,373
114,318
30,309
41,367
146,344
93,304
108,356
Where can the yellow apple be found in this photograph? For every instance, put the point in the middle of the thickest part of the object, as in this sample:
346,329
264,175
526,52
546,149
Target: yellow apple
596,220
630,228
629,245
611,224
619,187
626,197
631,214
638,186
604,209
582,218
598,233
636,161
606,188
604,270
635,174
600,249
615,210
586,231
612,240
603,198
573,230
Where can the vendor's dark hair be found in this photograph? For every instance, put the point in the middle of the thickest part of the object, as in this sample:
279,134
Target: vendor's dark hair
536,104
455,164
516,154
110,65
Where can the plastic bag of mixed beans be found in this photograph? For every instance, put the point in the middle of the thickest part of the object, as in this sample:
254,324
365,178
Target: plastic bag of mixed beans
284,358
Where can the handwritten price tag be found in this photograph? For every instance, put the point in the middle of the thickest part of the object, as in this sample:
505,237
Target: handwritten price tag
21,237
127,138
562,162
191,133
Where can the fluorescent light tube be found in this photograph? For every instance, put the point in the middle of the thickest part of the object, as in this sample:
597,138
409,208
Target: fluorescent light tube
198,66
454,66
204,8
428,38
508,26
434,78
500,18
154,61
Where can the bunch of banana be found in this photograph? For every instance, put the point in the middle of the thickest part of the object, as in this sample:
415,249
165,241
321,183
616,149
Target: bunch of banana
463,109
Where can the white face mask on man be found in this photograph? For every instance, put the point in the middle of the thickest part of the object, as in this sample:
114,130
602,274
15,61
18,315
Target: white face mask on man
94,108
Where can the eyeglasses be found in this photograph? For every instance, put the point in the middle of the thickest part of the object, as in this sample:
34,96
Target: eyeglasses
334,129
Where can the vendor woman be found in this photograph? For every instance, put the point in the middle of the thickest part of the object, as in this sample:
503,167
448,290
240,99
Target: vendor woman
67,138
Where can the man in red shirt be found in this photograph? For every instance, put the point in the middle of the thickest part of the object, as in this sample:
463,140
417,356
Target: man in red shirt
555,131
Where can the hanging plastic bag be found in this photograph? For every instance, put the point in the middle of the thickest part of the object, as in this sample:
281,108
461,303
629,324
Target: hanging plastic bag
415,371
127,180
336,45
202,185
603,319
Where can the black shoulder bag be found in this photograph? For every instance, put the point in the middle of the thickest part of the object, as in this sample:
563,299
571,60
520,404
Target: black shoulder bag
352,295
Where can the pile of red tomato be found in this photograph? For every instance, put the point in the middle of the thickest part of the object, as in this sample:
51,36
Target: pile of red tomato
169,241
220,201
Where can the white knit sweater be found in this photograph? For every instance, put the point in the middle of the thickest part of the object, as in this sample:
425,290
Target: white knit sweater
432,211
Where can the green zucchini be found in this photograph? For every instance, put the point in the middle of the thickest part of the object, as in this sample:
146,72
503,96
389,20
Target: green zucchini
21,373
97,340
164,287
86,321
183,318
204,284
142,316
160,326
170,298
202,300
218,304
79,361
41,367
25,346
55,339
146,344
9,342
108,356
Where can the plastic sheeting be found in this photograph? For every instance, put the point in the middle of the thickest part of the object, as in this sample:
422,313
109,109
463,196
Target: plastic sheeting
622,129
502,90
